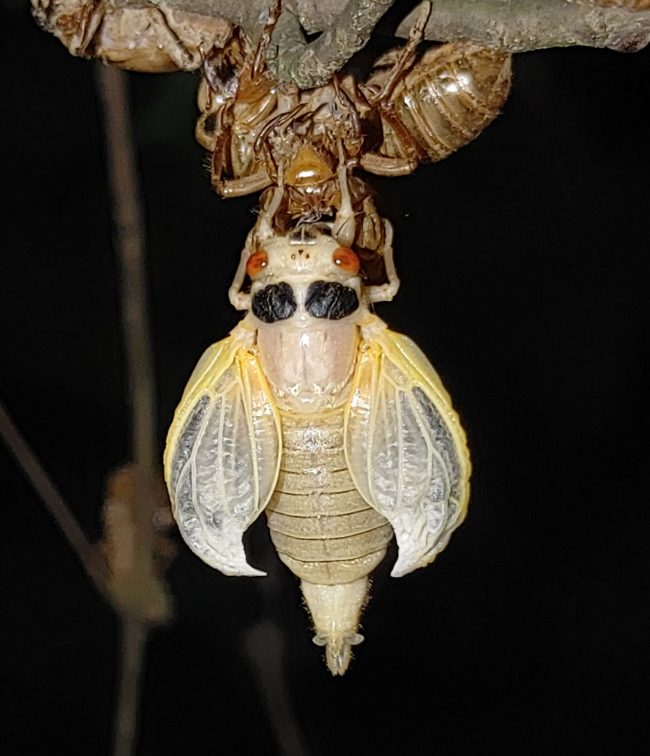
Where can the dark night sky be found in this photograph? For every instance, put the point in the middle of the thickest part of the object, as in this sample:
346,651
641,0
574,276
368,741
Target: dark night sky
524,272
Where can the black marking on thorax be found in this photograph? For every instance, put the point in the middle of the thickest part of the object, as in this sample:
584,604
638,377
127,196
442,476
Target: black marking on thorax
274,302
325,299
331,300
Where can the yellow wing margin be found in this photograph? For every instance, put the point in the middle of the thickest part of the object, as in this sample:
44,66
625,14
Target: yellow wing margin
405,446
223,452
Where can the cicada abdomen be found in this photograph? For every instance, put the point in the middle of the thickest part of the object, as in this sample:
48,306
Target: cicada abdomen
441,104
323,529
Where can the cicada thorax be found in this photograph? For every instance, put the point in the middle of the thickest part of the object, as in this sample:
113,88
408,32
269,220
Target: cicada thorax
451,94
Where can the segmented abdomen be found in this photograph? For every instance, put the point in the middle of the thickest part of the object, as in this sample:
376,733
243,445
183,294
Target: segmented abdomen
451,95
322,528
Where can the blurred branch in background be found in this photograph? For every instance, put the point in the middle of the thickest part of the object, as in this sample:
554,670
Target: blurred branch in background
136,499
165,35
89,555
135,494
264,646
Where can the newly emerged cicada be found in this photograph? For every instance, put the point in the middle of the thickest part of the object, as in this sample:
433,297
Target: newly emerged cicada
313,410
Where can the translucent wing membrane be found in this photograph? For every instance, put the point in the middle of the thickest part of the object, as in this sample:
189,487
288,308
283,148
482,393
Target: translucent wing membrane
405,447
223,453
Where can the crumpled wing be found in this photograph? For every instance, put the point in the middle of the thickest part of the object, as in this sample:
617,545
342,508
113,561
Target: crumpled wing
223,453
405,447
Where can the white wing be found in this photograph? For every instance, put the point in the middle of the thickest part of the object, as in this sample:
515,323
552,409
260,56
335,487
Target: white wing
223,453
405,446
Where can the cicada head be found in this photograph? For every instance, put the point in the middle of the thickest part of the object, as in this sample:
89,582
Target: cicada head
305,273
307,252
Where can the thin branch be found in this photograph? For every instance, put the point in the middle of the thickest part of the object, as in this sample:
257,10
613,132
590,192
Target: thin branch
264,647
129,243
310,65
88,555
133,641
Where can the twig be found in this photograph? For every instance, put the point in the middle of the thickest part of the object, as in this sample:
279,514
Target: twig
264,647
133,640
129,243
310,65
88,554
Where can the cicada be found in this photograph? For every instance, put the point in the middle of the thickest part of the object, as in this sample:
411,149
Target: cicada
313,410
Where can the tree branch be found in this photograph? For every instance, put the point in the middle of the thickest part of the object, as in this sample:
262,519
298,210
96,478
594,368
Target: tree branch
311,65
139,594
522,25
164,35
88,554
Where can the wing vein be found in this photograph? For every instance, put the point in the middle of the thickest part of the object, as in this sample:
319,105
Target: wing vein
248,409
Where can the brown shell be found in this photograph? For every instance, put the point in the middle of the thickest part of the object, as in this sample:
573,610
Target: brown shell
308,167
140,39
450,96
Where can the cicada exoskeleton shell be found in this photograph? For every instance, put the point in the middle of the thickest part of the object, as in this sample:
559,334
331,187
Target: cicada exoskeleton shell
441,104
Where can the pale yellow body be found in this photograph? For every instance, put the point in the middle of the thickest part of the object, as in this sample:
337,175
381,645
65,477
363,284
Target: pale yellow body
339,428
322,528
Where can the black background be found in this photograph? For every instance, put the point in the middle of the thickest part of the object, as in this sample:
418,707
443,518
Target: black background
524,272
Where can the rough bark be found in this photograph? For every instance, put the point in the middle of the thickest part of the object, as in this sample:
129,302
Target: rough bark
162,35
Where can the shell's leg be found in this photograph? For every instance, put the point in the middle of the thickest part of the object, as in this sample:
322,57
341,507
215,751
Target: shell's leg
408,152
239,187
388,166
259,59
336,610
405,58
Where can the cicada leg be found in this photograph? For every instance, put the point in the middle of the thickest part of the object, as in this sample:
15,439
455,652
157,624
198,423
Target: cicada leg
263,230
265,226
261,145
174,47
386,292
235,187
91,17
403,140
410,153
388,166
239,299
259,61
405,58
344,229
239,187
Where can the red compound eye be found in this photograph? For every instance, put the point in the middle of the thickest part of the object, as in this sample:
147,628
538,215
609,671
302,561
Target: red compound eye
347,260
256,263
